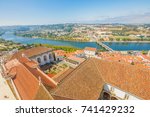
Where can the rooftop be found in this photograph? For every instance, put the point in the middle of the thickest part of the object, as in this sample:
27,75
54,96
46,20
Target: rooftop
90,49
60,52
88,79
31,52
79,52
141,61
27,77
74,58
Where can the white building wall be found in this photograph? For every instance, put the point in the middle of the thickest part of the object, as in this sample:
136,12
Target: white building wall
52,56
89,53
132,98
107,87
43,62
119,93
47,59
59,58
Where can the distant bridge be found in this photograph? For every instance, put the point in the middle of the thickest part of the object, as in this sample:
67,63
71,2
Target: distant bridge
105,46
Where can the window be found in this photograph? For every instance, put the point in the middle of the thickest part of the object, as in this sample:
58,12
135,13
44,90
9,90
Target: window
45,58
50,56
106,96
38,60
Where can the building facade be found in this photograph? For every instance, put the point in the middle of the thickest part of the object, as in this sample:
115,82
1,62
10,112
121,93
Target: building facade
42,55
90,52
44,58
110,92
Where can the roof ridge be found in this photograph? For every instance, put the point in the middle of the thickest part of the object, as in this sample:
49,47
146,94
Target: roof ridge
28,71
126,64
21,65
98,70
66,78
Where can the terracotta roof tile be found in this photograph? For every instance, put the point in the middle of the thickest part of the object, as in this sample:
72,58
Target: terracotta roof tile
26,77
87,80
76,58
12,63
90,49
44,78
79,52
60,52
31,52
26,84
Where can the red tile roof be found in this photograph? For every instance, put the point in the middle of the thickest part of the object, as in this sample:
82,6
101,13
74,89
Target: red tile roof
44,78
137,60
26,84
88,79
26,76
90,49
60,52
31,52
12,63
74,58
79,52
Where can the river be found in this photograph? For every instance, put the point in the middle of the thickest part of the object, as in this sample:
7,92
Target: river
24,40
121,46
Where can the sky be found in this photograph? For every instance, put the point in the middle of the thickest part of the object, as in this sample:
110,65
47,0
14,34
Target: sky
32,12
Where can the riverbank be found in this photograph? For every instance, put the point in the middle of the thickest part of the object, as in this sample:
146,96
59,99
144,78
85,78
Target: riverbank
115,45
72,39
77,40
127,41
65,48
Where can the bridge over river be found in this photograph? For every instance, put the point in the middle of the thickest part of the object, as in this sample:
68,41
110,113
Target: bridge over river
104,46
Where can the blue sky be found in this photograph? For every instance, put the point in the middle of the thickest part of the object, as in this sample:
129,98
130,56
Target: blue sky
24,12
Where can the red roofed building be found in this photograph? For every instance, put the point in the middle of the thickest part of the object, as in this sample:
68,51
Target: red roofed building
27,80
59,55
107,80
89,52
79,53
73,60
42,55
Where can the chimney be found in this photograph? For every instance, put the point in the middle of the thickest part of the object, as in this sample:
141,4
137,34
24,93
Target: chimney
23,55
40,80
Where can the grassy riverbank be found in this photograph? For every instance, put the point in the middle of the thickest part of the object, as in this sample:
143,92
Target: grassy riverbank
50,37
65,48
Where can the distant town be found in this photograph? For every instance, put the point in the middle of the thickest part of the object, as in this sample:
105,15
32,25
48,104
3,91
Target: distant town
88,32
43,71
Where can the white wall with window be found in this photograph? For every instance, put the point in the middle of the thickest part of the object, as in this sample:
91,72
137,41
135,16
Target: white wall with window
118,93
44,58
89,53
